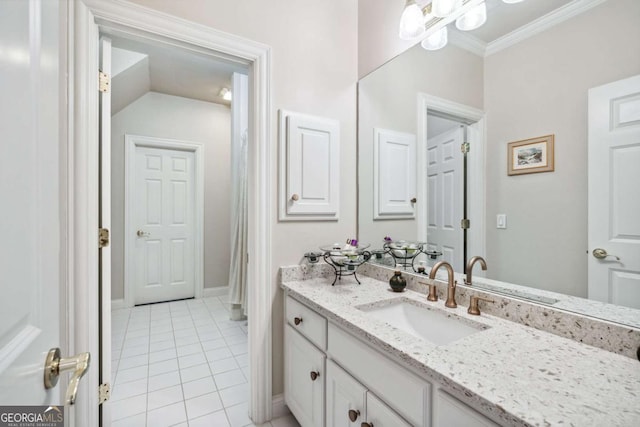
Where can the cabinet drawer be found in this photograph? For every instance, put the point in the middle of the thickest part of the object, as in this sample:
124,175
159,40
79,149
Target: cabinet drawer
405,392
307,322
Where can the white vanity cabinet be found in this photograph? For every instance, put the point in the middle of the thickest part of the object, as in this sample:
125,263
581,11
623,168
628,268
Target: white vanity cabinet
350,404
304,379
334,379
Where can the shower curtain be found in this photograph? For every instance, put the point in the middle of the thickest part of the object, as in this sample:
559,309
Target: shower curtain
238,270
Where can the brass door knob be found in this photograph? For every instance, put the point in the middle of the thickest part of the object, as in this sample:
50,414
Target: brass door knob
353,414
414,200
602,254
297,320
141,233
54,364
314,375
295,197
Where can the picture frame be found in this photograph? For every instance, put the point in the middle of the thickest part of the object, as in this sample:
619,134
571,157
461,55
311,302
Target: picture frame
531,155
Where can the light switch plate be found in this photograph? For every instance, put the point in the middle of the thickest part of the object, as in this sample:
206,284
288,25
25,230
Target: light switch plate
501,221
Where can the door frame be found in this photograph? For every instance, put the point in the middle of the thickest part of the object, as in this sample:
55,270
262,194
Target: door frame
476,168
86,19
197,148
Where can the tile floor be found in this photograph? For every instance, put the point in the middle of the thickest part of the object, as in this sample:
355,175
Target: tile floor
181,363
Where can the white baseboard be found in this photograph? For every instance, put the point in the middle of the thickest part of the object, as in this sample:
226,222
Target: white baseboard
117,304
219,291
279,408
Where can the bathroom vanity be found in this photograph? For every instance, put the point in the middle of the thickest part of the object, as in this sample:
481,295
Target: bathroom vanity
361,355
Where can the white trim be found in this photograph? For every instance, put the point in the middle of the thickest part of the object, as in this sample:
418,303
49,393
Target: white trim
279,407
218,291
117,304
124,17
541,24
468,42
197,148
476,172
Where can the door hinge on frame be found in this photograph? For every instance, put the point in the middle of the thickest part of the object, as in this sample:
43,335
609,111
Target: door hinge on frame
104,393
103,238
465,147
465,224
104,81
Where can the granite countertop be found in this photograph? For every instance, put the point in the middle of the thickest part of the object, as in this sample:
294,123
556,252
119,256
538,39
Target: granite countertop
512,373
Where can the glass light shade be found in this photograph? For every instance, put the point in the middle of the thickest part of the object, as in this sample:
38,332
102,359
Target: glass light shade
444,8
411,21
474,18
437,40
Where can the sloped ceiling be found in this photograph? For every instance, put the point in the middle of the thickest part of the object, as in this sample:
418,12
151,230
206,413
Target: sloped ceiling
138,68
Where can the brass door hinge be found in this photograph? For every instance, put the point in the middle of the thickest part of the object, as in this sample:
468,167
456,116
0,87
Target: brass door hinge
103,238
105,81
104,393
465,224
465,147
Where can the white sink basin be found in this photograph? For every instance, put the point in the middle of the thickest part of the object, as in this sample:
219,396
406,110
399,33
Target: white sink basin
432,325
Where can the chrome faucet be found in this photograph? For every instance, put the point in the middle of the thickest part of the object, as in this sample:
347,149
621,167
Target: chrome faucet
470,264
451,286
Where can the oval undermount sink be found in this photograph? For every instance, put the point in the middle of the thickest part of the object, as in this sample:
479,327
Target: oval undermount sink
433,325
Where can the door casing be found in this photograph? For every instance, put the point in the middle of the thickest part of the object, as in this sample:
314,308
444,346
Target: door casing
86,20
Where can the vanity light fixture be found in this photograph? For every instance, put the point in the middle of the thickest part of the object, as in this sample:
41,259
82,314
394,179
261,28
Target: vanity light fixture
430,22
225,94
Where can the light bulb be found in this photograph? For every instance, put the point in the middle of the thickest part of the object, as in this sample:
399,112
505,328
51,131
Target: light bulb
411,21
474,18
437,40
444,8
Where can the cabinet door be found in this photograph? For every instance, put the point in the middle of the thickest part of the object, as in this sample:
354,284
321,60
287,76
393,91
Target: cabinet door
304,378
450,412
345,398
380,415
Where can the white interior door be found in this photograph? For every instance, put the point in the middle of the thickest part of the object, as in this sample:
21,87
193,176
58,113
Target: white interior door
105,224
32,253
614,192
164,224
444,202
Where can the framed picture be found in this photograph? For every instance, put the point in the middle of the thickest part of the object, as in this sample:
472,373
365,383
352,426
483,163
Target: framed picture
530,155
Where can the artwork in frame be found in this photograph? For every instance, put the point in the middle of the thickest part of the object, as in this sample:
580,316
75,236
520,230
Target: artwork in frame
530,155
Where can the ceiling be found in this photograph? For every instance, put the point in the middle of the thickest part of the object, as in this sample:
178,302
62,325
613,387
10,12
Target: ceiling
139,67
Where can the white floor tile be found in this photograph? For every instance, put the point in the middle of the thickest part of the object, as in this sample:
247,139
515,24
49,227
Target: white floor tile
163,367
191,360
162,355
236,339
208,334
189,349
213,344
198,387
139,420
162,345
132,362
238,415
167,416
223,365
228,379
238,349
136,334
166,396
127,390
243,360
164,380
286,421
218,354
217,419
129,407
203,405
161,336
131,374
235,395
195,372
182,341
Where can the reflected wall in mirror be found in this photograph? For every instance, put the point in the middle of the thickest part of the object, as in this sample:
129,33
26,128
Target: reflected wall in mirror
536,86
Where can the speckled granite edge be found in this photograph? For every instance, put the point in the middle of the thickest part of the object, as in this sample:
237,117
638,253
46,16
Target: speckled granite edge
599,333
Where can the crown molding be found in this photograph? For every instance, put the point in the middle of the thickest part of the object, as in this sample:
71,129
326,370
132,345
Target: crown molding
541,24
468,42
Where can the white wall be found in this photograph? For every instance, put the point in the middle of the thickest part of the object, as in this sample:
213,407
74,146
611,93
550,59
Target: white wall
173,117
315,70
539,87
387,99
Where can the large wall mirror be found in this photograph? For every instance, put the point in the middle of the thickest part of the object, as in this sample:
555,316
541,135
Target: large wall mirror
513,81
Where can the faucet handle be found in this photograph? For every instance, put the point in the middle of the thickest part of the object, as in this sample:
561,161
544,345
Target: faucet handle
473,304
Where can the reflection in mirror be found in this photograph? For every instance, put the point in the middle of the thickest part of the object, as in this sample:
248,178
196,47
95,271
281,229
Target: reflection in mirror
525,82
